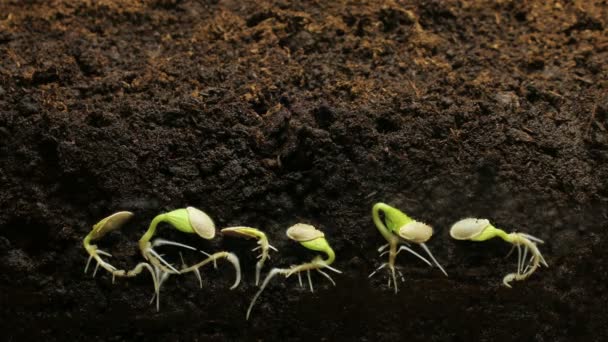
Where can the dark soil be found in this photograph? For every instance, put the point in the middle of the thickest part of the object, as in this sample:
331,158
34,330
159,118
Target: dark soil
268,113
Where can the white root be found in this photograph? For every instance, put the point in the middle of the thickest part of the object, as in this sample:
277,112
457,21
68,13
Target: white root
378,269
258,271
532,238
392,275
160,258
233,259
525,266
163,242
524,258
273,272
96,268
196,272
519,267
394,279
309,281
86,268
383,247
405,248
432,257
95,253
327,276
100,252
332,269
295,269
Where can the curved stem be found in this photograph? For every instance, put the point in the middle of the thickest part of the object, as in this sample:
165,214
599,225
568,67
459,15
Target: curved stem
228,256
263,242
86,242
502,234
534,263
331,255
378,221
94,252
144,241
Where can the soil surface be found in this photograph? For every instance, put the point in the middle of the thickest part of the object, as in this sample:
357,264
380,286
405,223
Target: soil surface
268,113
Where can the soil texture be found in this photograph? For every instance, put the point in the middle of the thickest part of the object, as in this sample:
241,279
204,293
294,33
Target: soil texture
268,113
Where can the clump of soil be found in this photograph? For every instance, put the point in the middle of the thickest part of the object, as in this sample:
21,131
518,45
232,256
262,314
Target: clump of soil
268,113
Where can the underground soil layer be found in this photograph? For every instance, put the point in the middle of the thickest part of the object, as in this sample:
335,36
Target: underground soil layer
269,113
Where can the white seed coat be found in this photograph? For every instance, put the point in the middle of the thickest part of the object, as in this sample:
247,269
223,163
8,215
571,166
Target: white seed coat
303,232
416,232
111,223
468,228
201,223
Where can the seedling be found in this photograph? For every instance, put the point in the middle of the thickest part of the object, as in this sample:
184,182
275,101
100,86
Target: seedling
102,228
474,229
398,228
313,239
191,221
253,233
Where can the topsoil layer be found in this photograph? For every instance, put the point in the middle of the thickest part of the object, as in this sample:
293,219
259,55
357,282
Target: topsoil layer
268,113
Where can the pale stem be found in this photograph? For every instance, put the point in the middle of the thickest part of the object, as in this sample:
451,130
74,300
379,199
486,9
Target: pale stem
265,246
94,253
535,260
392,254
228,256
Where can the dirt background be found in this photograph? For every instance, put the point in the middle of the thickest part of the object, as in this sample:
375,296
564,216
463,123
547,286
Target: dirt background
267,113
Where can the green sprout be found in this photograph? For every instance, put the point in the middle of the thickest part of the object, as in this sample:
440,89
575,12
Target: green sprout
249,233
399,228
191,221
313,239
102,228
474,229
